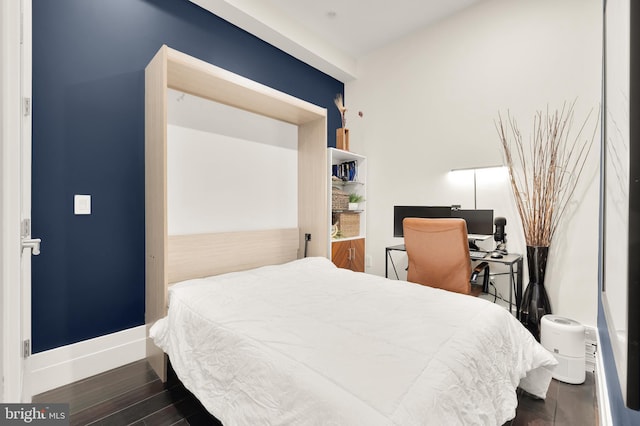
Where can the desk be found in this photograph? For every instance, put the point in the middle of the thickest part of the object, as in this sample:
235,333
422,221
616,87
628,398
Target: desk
510,260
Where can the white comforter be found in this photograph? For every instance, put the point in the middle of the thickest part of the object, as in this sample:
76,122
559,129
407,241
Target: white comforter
307,343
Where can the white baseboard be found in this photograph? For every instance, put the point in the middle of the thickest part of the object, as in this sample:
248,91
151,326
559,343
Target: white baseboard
67,364
602,391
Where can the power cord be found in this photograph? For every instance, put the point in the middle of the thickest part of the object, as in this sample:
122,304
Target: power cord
307,238
496,295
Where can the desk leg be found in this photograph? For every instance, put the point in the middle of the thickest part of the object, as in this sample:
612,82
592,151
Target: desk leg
519,288
387,258
512,284
386,263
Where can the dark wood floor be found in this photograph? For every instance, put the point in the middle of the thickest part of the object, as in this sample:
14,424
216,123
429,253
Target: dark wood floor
133,395
565,405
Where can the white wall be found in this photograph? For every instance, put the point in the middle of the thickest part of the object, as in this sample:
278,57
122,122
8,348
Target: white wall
429,102
222,163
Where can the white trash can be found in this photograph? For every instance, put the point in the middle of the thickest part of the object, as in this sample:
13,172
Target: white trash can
564,338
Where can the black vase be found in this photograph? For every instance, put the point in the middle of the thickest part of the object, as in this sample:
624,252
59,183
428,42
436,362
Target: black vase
535,302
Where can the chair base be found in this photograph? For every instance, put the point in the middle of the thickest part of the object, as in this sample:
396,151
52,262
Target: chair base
476,290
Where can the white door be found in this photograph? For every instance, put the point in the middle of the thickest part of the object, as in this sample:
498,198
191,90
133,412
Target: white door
15,206
29,246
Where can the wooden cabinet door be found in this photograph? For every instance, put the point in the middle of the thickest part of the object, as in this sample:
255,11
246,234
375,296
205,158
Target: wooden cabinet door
348,254
357,255
341,254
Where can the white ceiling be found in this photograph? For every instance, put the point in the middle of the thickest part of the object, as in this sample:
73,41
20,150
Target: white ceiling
361,26
332,34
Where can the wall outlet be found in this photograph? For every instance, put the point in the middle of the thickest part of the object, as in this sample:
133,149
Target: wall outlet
368,261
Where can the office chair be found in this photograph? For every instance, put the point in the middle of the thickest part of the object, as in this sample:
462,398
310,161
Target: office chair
438,251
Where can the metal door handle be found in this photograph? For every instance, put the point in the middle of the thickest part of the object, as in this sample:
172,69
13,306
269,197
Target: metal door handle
33,244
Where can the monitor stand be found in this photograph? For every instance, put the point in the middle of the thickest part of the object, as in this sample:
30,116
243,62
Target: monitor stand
472,245
472,238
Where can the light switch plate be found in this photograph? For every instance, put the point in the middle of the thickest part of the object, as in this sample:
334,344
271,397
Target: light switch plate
82,204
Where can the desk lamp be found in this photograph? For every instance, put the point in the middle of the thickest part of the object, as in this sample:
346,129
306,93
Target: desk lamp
475,170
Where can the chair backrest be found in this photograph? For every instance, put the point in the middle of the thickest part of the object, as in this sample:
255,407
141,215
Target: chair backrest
438,251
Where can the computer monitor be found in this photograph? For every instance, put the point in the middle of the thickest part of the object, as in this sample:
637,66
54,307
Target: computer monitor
400,212
479,222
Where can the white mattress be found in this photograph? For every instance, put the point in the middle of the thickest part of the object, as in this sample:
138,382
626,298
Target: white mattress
307,343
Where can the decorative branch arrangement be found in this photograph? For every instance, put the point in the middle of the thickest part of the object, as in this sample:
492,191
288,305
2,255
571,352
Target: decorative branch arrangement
544,175
343,110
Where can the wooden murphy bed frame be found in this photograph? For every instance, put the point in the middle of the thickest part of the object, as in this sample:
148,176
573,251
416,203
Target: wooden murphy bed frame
170,259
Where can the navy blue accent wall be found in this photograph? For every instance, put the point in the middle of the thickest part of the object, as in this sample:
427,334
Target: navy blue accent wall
88,138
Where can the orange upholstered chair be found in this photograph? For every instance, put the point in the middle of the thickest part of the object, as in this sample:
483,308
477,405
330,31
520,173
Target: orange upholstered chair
438,251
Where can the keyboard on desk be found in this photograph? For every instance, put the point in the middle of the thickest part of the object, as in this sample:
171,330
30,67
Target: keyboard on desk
477,254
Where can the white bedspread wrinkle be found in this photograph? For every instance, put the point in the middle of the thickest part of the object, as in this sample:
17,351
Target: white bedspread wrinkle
306,343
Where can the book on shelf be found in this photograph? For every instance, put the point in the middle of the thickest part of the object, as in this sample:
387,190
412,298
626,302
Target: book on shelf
347,171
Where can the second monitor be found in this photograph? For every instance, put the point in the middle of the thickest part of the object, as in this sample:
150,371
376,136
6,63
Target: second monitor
479,222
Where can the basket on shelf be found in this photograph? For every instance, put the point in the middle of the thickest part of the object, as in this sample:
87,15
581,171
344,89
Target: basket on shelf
339,199
349,224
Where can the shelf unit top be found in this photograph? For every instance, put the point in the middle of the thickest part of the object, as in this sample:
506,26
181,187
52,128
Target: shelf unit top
341,155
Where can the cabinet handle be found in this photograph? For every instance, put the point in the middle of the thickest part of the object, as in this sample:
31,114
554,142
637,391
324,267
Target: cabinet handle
349,258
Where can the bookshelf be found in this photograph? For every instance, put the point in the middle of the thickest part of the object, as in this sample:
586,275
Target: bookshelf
347,175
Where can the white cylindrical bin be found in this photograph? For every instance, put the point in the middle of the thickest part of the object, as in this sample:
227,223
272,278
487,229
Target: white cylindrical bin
564,338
